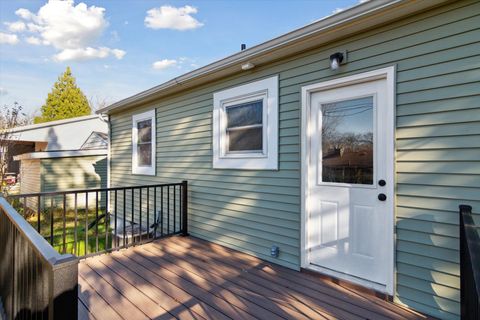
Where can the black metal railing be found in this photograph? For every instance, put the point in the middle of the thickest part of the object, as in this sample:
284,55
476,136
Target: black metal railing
469,265
36,282
92,221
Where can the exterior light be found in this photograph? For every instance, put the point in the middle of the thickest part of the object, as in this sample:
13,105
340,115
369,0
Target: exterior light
248,66
335,60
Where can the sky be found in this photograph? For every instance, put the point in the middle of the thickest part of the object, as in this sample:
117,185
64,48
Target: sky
117,48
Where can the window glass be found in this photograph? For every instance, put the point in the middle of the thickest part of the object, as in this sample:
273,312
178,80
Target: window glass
244,127
144,143
347,141
144,131
245,114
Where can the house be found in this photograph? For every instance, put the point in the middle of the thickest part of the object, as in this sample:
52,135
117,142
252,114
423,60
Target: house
62,155
387,91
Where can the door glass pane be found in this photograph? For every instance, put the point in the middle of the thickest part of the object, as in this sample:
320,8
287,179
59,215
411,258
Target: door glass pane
245,139
347,141
245,114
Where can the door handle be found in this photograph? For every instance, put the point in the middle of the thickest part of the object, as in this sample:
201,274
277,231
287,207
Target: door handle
382,197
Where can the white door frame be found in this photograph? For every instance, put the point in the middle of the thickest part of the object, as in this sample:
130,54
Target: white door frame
388,74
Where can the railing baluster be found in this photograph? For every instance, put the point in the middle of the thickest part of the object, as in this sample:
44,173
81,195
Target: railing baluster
161,211
133,215
106,220
168,209
155,212
185,208
148,213
75,200
124,214
86,223
51,221
140,213
64,236
39,225
96,221
25,207
115,222
174,209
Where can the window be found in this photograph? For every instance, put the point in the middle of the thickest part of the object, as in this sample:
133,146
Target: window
143,143
245,126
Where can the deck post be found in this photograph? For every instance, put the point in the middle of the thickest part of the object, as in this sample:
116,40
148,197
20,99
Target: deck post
184,208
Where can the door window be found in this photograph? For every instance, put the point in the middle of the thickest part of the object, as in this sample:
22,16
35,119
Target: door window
347,141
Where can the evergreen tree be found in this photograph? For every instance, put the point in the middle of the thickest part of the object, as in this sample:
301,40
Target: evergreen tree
65,101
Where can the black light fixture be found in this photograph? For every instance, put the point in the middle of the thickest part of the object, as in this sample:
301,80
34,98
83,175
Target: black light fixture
335,60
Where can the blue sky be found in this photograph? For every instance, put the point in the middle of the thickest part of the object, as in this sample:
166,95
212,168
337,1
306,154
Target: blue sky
112,47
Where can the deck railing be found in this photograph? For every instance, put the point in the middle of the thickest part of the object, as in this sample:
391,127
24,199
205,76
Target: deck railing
469,265
36,282
92,221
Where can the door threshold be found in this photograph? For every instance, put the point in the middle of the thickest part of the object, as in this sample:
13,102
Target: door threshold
361,285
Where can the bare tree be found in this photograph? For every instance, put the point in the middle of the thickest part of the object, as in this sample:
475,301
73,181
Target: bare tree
10,117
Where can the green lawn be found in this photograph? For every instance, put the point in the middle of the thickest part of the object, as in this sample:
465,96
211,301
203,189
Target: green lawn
82,221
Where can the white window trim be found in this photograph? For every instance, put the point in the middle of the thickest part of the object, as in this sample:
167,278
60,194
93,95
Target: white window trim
266,89
136,169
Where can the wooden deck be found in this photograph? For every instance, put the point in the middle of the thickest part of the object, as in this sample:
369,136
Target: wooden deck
188,278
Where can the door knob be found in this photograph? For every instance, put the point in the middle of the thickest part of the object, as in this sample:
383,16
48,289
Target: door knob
381,183
382,197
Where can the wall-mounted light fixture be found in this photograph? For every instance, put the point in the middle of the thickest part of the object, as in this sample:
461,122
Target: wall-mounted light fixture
337,59
248,66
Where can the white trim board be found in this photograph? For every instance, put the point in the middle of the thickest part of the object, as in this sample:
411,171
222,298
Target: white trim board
61,154
389,75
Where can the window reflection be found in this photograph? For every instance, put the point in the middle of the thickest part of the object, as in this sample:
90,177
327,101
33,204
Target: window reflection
347,141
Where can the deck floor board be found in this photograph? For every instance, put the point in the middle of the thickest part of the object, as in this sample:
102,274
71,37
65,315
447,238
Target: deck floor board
189,278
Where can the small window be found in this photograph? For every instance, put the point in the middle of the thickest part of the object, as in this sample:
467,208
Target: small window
245,127
143,143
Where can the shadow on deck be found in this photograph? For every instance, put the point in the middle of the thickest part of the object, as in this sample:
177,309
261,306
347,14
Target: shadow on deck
188,278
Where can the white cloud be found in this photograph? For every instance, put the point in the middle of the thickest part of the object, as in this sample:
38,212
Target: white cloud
72,29
164,64
168,17
24,14
88,53
33,40
17,26
3,91
8,38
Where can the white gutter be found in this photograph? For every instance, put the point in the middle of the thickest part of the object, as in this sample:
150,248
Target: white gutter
372,9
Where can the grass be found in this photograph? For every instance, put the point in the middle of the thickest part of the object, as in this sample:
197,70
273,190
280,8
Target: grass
83,219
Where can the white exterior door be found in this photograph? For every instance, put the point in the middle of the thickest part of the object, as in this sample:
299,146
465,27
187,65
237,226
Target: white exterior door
349,222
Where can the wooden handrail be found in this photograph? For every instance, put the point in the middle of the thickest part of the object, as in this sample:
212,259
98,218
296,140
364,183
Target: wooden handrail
35,280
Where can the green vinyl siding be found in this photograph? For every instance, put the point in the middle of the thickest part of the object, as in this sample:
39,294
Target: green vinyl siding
60,174
437,58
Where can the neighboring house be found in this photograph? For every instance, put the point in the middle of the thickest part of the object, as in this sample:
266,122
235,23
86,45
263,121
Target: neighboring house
68,154
352,167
